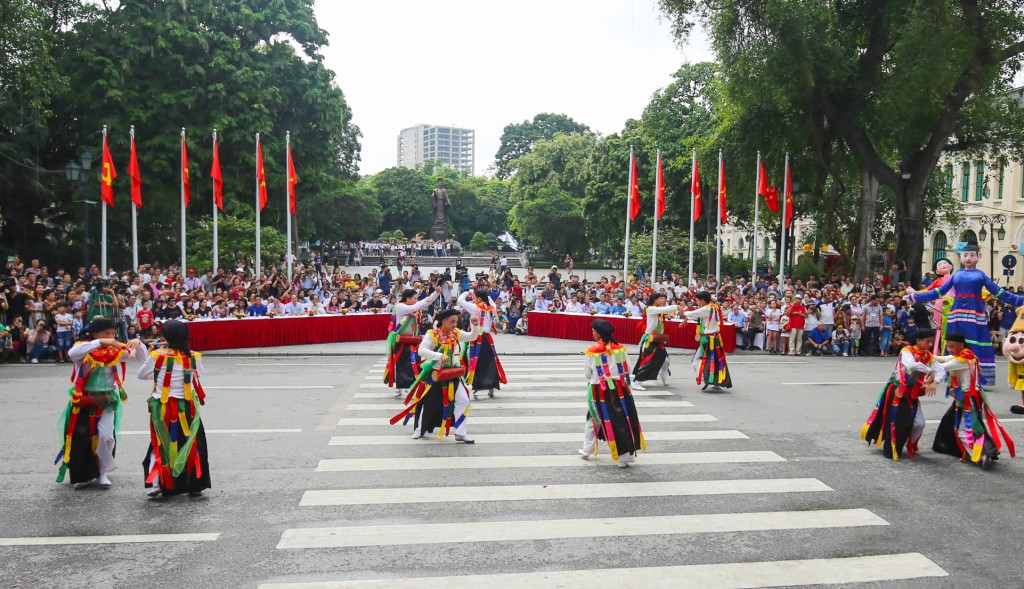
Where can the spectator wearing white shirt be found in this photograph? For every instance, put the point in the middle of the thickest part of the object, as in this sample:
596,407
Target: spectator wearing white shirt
295,308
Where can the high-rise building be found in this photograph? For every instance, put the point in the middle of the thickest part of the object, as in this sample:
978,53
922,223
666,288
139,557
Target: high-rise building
450,146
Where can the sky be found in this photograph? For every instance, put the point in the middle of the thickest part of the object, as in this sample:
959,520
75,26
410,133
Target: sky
481,64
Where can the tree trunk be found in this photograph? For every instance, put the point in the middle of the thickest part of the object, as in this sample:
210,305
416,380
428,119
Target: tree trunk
868,209
910,228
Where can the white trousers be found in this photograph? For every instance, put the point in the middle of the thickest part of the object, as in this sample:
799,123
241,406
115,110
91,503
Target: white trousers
105,448
590,440
461,402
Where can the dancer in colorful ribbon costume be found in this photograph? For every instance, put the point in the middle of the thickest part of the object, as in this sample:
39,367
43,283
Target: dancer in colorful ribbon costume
969,430
439,399
897,419
652,363
484,371
709,359
93,415
611,412
968,314
176,461
404,338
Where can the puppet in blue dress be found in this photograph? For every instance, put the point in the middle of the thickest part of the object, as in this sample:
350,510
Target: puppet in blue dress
968,314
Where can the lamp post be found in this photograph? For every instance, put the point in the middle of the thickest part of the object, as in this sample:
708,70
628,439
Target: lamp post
79,172
1000,233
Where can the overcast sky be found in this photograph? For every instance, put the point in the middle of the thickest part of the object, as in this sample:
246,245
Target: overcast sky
483,65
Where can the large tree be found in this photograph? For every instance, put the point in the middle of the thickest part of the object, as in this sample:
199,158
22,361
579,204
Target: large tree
240,66
894,80
518,139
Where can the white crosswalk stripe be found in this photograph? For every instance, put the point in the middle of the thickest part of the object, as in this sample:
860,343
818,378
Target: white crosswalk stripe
519,406
527,413
738,575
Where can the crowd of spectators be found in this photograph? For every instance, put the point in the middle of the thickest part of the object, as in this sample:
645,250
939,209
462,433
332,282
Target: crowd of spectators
41,313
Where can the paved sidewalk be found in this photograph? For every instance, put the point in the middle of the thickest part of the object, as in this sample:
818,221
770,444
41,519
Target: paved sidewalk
508,345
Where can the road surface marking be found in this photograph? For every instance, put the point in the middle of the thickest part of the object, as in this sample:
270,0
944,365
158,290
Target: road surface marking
577,393
134,539
834,383
487,462
272,364
392,440
511,531
552,492
499,406
271,388
536,419
225,431
732,575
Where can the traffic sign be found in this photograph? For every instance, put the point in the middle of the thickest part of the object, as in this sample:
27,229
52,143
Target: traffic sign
1009,261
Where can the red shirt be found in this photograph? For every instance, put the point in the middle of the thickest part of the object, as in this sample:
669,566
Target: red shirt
796,313
145,318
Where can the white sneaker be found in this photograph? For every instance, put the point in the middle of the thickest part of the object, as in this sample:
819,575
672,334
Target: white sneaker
154,492
845,355
103,481
397,395
85,484
35,360
622,464
664,381
417,435
465,439
638,387
583,454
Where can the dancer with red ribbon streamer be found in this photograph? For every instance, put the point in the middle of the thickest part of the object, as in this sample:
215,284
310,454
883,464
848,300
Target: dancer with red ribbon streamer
483,368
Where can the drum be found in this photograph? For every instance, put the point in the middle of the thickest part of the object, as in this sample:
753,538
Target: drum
449,373
412,340
659,338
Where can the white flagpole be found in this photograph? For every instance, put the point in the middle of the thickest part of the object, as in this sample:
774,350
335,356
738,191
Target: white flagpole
288,199
103,215
135,220
184,259
785,201
256,264
629,196
718,227
693,170
216,249
654,242
757,209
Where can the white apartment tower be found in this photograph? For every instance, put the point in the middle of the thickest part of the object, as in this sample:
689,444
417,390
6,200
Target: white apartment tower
448,145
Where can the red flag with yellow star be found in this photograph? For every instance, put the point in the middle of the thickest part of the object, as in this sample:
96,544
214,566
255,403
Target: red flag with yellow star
261,176
293,179
107,175
186,189
634,190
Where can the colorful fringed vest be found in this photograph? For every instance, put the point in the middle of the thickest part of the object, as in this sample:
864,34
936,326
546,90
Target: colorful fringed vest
446,344
608,390
172,433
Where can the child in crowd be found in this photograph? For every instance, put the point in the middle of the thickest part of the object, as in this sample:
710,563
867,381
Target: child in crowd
855,332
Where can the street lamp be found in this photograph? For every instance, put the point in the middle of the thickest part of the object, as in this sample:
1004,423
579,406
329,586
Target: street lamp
79,172
1000,233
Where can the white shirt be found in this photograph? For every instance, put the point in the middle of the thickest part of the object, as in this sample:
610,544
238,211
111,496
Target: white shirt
68,317
401,310
542,305
177,385
295,308
79,351
474,311
910,364
652,315
706,317
428,351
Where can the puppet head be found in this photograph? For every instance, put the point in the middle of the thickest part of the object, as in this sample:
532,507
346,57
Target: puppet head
1013,347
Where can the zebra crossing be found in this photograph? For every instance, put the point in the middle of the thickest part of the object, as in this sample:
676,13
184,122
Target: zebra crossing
522,484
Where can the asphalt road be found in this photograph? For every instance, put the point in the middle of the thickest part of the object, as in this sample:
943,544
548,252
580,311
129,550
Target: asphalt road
289,506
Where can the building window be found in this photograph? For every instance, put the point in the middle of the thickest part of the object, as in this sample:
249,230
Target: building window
939,247
969,236
949,181
1002,177
966,183
979,182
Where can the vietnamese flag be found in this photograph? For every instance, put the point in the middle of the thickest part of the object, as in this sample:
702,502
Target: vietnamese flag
789,197
135,175
770,193
107,174
186,189
634,189
695,190
660,191
218,178
722,201
293,179
261,176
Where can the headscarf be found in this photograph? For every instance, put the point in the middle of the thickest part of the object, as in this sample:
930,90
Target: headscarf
605,330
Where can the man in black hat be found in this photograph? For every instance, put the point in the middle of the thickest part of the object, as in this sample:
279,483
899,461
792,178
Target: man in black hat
95,404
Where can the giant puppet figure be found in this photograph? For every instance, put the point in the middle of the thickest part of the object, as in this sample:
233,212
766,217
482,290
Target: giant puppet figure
944,268
1013,350
967,314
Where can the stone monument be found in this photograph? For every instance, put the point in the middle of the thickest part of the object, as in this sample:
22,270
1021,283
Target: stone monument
439,231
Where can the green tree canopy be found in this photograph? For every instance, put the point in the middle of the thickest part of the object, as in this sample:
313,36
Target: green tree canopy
517,140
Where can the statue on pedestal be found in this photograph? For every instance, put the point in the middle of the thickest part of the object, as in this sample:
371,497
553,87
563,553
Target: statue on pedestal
439,231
